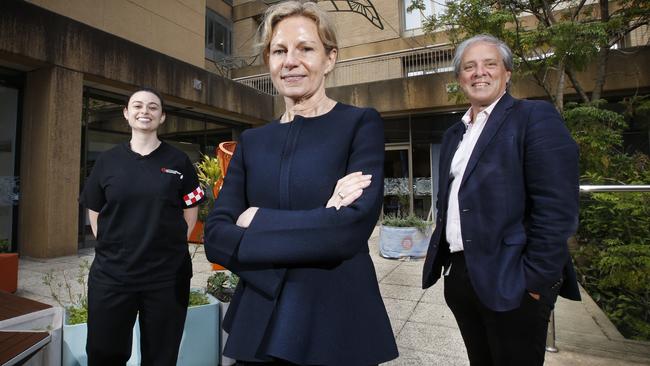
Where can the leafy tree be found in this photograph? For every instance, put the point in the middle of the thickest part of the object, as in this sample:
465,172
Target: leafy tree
552,40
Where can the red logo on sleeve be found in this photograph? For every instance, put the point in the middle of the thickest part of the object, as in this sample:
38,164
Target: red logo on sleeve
194,196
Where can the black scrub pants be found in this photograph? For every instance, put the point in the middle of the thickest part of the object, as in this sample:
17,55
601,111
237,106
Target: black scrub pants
493,338
111,316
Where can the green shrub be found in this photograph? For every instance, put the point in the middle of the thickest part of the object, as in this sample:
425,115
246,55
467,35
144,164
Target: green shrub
74,302
222,285
613,250
198,298
406,221
5,246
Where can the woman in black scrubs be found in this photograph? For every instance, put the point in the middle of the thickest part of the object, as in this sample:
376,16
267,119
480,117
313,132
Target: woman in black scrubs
142,199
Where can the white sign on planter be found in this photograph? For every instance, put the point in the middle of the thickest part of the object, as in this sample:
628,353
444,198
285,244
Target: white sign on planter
397,242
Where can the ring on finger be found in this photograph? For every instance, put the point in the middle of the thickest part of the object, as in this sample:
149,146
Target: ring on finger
341,195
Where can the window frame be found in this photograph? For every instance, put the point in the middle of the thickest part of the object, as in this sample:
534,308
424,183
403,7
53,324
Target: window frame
213,22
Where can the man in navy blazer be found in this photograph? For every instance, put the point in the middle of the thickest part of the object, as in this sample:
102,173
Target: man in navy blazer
507,204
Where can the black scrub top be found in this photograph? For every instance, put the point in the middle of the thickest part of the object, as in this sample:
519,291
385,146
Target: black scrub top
141,232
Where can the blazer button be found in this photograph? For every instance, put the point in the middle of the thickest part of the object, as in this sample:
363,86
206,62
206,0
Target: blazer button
468,240
465,210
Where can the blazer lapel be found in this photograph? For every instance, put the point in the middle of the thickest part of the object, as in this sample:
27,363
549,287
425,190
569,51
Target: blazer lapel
492,125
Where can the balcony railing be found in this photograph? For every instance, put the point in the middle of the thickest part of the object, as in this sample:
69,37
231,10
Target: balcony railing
393,65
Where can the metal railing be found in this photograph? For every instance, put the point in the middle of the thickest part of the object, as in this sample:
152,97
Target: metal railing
614,188
392,65
550,336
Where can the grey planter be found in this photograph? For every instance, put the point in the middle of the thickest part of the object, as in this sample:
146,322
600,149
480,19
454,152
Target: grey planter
200,343
74,344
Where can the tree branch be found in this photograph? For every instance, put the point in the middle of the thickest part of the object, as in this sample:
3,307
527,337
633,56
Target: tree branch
578,9
576,85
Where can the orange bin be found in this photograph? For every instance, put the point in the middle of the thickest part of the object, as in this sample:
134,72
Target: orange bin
9,272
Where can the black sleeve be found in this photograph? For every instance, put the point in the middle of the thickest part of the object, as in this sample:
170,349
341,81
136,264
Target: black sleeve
93,196
191,191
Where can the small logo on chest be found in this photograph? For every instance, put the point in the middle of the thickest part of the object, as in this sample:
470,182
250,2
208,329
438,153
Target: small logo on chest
171,171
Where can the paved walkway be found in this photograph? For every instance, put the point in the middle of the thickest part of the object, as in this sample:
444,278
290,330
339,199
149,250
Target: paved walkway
425,329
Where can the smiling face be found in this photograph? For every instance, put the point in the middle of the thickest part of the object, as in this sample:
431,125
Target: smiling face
144,111
298,61
483,76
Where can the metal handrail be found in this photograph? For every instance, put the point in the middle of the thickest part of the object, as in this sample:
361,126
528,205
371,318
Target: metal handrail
614,188
587,188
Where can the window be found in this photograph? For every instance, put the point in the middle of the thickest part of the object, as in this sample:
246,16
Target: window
218,34
413,20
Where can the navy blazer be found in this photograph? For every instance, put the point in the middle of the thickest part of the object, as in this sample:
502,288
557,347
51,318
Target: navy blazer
309,291
518,203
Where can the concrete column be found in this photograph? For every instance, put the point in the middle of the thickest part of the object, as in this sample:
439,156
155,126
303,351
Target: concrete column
50,163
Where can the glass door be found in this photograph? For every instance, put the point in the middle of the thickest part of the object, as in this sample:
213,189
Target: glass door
398,196
8,174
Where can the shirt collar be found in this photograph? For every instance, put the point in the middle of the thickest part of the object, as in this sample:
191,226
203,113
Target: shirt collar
467,117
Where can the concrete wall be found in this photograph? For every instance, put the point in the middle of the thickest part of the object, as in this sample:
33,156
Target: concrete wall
172,27
50,163
35,37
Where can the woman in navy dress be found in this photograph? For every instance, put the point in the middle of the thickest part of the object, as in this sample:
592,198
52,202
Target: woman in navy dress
301,198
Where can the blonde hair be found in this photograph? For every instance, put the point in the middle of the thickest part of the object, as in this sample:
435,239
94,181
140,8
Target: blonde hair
307,9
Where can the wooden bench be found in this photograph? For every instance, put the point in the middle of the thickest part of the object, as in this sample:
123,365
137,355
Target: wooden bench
17,347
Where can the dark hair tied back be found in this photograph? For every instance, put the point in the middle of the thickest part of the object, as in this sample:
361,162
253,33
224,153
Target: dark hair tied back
150,90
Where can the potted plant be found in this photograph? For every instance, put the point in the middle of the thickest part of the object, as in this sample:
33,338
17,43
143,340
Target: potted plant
222,285
208,170
200,335
404,236
8,267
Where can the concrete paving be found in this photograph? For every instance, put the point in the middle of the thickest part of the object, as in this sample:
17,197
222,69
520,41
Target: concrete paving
424,327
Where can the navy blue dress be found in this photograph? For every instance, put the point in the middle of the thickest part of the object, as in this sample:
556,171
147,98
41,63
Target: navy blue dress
309,292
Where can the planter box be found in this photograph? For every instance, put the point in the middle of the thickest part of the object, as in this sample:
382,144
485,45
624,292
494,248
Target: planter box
74,345
200,344
397,242
9,272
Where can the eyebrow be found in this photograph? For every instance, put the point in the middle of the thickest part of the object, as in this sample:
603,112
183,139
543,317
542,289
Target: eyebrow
482,60
139,101
281,44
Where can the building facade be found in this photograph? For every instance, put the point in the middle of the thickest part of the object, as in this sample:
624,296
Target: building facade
387,62
66,67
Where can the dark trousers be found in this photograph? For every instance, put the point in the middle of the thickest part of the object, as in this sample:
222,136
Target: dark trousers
492,338
112,314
